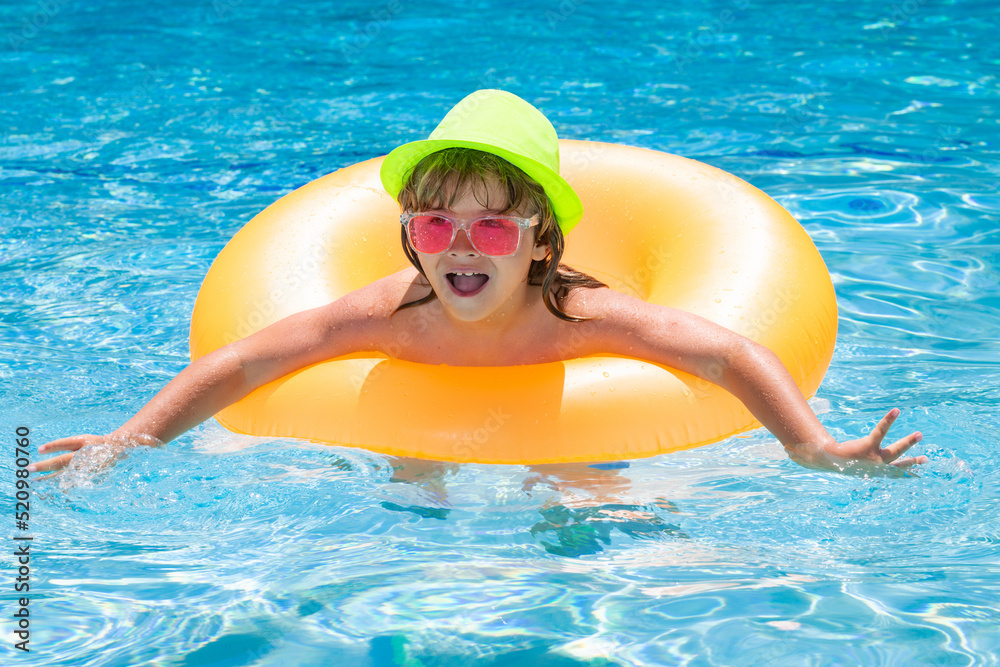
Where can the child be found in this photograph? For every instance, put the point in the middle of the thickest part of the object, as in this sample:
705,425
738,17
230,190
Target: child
484,215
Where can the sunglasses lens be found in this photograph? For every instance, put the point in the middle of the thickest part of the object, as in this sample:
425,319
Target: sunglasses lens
495,236
430,234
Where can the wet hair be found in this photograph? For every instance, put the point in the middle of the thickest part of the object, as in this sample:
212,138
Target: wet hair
439,178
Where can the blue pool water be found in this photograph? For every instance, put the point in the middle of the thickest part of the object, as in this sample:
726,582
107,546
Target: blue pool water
138,137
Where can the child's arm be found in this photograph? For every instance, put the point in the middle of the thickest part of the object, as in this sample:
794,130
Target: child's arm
228,374
746,369
757,377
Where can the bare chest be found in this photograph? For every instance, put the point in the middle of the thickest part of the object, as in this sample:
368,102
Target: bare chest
422,334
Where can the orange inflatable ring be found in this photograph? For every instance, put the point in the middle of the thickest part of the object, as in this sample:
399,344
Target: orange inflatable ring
664,228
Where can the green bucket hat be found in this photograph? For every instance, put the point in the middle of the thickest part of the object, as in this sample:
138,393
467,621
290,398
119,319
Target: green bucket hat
500,123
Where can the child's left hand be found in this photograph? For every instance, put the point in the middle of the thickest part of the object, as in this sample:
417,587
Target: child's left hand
868,451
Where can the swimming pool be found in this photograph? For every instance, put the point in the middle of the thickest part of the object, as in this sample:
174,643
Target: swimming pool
138,138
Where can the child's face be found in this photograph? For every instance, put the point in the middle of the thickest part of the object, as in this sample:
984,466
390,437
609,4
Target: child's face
498,286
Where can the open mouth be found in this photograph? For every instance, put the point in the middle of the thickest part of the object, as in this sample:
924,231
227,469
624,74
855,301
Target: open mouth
467,283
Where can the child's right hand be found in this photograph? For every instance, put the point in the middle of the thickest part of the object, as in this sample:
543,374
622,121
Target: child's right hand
101,450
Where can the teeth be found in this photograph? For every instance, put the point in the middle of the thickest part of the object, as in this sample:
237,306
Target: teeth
465,273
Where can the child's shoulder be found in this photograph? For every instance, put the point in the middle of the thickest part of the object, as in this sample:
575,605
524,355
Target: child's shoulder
364,316
613,318
599,303
369,308
381,298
